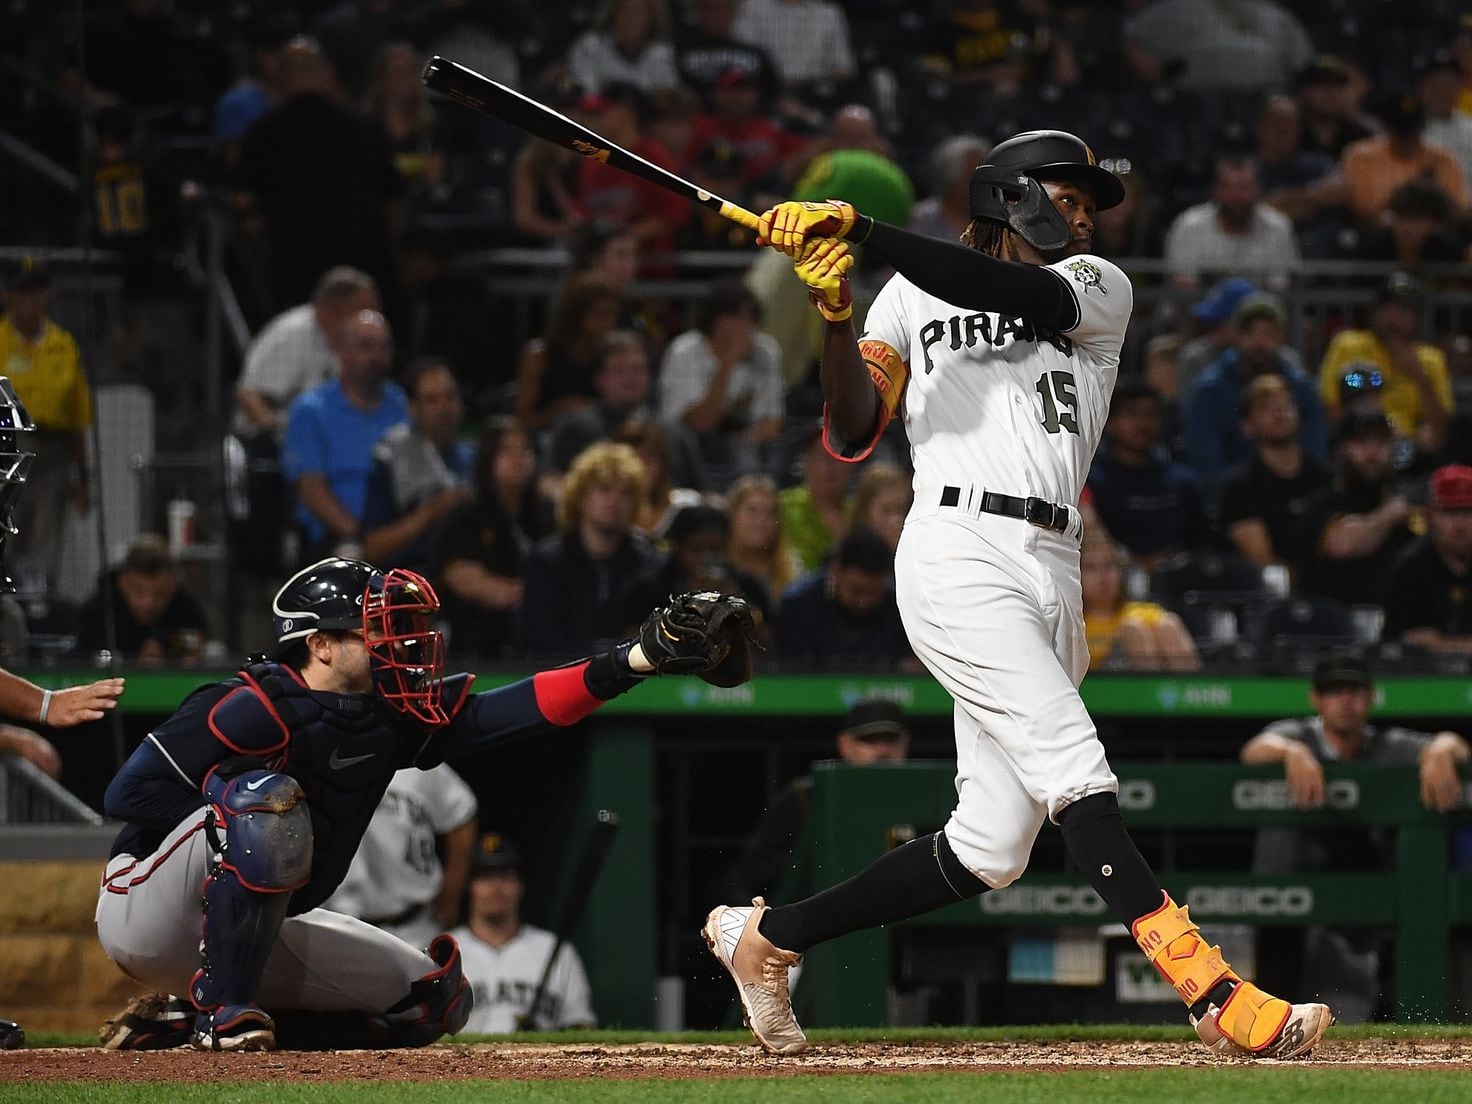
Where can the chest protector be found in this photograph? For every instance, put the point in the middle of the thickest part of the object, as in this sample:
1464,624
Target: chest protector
343,749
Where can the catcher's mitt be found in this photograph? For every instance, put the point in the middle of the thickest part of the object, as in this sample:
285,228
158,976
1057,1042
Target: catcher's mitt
705,634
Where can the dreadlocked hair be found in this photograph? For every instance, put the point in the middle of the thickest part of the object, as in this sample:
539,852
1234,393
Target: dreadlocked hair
991,238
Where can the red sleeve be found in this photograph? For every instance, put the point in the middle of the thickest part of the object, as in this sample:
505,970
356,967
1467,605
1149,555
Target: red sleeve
563,696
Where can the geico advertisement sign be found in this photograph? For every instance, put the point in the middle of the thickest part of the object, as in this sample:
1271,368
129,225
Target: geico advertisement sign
1207,900
1261,793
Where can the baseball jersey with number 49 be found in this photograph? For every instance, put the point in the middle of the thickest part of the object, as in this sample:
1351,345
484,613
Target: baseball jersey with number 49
999,402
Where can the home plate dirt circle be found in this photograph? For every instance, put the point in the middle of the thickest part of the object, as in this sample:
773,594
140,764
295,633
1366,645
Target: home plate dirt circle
541,1061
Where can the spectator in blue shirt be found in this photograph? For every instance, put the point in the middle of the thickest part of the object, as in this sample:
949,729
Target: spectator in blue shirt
1151,505
421,472
331,432
1213,419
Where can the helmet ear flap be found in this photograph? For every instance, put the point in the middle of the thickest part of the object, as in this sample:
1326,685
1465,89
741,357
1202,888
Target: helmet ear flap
1020,202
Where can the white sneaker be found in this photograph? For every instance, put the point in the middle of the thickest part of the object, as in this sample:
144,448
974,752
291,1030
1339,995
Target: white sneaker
1300,1032
759,969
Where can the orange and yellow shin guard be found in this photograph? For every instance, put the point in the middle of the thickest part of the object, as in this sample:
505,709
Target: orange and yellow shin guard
1249,1018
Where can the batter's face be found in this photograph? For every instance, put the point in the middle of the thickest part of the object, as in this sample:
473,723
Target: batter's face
1075,202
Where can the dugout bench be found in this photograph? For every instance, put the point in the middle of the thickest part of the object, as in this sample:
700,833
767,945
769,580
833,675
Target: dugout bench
859,811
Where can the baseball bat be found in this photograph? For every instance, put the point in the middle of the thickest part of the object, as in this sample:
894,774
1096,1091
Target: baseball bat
479,93
579,890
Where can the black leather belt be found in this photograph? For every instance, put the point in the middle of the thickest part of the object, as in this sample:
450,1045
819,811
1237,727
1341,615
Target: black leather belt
1034,511
410,913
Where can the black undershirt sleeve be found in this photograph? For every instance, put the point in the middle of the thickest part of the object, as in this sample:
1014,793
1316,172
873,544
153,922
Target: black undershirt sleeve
970,279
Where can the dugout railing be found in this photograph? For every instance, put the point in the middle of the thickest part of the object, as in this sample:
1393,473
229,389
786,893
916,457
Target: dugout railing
859,811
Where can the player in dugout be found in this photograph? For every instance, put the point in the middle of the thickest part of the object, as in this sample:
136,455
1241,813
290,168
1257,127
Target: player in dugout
1000,353
259,789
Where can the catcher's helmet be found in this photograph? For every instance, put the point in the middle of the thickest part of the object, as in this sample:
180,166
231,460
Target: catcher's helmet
393,610
1005,189
327,595
15,466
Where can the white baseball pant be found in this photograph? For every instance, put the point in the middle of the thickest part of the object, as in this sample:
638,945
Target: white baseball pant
149,921
993,607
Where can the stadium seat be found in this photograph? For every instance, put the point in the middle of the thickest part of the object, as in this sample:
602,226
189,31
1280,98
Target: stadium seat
1293,631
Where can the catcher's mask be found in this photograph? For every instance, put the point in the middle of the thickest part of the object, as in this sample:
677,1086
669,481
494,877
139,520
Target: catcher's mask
15,467
408,655
392,609
1005,187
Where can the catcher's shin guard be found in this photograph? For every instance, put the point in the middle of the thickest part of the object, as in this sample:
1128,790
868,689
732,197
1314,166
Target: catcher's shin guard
260,831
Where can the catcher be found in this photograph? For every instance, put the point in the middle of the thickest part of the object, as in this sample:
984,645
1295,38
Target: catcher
244,809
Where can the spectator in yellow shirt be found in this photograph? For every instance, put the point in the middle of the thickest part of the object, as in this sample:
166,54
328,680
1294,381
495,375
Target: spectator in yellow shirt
1142,636
1417,391
45,367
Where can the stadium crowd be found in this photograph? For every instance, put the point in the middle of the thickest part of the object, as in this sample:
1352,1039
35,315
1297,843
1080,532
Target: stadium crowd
1287,457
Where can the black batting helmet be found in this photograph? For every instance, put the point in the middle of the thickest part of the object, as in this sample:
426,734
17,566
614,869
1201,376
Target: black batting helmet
1005,189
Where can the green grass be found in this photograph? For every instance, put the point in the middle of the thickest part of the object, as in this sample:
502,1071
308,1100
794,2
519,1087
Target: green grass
1042,1033
1280,1085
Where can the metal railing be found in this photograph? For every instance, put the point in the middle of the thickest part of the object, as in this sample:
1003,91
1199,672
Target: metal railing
28,795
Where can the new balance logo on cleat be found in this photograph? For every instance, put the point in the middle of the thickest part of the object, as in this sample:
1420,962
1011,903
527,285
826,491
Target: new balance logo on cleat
759,970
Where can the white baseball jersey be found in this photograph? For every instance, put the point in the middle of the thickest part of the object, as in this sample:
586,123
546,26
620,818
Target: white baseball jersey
505,979
999,403
992,604
396,867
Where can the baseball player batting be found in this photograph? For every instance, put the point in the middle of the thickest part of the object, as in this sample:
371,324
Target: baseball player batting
1001,352
244,809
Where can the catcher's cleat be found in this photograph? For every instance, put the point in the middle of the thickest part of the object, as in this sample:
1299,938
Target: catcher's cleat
1253,1024
234,1027
760,971
155,1022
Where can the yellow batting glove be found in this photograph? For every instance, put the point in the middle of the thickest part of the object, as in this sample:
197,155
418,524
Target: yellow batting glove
787,227
824,268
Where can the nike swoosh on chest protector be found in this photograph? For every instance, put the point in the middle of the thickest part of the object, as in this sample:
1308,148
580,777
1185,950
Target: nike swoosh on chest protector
337,761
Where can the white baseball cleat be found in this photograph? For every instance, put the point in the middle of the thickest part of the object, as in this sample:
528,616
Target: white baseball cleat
1302,1026
759,969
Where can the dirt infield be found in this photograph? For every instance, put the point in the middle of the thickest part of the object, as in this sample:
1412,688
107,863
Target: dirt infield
531,1061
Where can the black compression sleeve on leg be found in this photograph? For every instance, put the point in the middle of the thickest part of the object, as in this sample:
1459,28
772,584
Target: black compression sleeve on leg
1101,847
910,880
